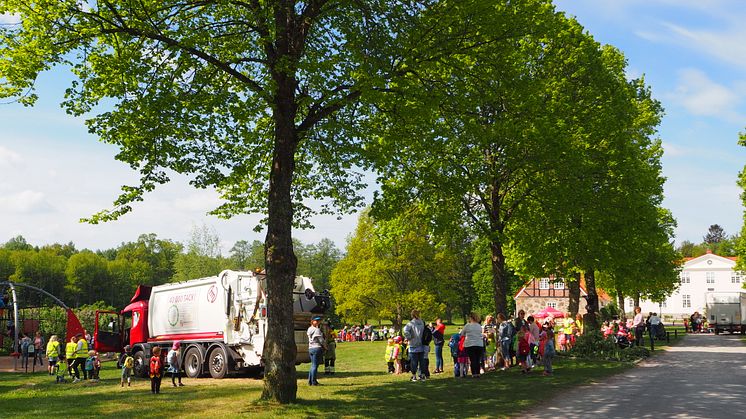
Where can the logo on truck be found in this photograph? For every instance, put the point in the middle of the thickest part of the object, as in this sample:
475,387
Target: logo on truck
173,315
212,294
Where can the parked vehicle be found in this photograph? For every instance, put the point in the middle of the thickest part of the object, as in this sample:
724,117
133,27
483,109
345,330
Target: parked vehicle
221,322
726,311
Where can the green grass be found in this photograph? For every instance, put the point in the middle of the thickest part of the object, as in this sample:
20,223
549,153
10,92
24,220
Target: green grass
361,388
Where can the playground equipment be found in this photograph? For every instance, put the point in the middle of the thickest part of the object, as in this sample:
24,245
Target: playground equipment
73,324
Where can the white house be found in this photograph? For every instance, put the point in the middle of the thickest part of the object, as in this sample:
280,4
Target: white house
698,276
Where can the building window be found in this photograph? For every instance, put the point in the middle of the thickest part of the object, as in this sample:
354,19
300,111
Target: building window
630,302
552,304
710,277
736,277
559,285
685,278
663,304
687,301
544,284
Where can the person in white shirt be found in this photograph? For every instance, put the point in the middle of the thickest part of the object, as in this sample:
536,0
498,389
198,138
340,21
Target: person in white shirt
638,323
473,343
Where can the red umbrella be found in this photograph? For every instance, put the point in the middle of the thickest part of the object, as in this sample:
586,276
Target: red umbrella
549,311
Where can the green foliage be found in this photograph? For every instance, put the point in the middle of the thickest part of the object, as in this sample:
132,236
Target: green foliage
609,312
86,313
87,275
17,243
247,256
593,345
390,268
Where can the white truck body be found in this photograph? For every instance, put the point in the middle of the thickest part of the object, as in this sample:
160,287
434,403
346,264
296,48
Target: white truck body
726,311
230,307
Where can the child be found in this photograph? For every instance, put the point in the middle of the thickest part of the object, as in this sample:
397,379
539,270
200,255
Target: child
90,365
128,364
156,369
390,356
453,345
523,350
59,370
549,352
174,366
490,350
96,365
404,351
463,356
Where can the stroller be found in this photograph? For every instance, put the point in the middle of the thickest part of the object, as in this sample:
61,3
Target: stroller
622,339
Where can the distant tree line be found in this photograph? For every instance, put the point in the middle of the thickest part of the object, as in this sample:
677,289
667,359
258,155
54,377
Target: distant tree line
110,276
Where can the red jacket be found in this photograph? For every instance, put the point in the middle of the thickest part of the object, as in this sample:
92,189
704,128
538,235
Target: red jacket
156,366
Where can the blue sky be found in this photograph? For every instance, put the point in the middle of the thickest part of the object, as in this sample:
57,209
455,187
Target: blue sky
692,53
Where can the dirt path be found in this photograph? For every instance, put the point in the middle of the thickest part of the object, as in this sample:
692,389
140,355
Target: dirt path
702,377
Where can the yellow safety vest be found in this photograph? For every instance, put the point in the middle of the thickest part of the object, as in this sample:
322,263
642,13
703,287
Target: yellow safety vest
389,352
53,349
83,351
70,349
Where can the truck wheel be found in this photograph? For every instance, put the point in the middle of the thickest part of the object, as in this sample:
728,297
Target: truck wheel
218,362
193,363
141,365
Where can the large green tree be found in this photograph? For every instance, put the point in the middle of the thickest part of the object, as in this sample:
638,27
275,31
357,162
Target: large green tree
251,97
390,268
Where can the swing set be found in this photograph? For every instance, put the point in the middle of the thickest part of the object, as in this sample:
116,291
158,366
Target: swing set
30,319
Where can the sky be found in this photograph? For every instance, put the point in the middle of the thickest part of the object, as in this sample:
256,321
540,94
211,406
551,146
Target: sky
692,53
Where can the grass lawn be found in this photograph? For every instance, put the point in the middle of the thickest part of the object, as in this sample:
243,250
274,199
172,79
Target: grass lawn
361,388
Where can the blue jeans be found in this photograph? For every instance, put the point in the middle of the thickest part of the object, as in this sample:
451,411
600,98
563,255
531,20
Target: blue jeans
439,357
416,360
315,354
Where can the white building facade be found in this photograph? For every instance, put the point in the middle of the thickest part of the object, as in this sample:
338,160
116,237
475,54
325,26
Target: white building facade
706,273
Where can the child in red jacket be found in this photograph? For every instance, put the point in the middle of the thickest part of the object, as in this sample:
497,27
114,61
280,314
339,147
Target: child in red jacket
156,370
524,348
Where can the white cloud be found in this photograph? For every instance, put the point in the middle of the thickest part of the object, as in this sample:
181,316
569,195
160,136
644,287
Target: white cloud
9,19
701,96
727,45
24,202
9,158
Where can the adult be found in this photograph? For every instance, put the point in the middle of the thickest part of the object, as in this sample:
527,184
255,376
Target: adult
413,333
25,344
53,353
39,346
638,323
533,340
81,354
579,324
315,349
473,343
174,363
505,334
655,322
520,320
439,333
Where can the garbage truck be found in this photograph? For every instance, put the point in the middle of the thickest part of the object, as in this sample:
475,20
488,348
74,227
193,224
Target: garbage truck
726,311
221,322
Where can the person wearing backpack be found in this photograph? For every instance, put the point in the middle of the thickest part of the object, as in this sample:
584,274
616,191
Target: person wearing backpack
128,364
413,332
453,345
174,367
505,333
156,370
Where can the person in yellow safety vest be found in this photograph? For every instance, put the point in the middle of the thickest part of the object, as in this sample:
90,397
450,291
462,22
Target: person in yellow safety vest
567,330
53,353
70,349
390,357
81,354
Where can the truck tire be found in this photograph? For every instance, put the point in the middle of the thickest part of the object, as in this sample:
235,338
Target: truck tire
193,363
217,362
141,368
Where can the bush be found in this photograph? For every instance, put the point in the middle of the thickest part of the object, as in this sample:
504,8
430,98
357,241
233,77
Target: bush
593,345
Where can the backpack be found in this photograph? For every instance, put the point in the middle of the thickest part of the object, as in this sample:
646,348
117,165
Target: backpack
24,346
129,362
155,366
427,335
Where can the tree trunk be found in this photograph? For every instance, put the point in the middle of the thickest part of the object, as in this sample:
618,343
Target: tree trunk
280,349
637,299
499,279
620,303
590,320
574,290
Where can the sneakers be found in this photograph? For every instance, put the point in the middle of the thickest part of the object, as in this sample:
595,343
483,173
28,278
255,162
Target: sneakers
413,379
423,378
181,385
76,380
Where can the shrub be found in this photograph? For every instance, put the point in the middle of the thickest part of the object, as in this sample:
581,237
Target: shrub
593,345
